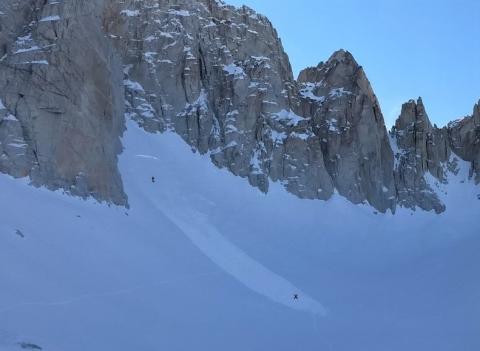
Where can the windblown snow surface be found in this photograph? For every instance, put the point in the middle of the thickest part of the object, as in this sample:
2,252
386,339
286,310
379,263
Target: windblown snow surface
202,261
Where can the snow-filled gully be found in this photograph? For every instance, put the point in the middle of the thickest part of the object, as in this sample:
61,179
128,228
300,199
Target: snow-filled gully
204,235
238,264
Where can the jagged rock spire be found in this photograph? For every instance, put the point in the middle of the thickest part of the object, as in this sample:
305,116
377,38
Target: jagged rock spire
421,148
350,125
465,140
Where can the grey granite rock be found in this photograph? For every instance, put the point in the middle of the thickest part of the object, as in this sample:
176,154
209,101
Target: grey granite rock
347,119
61,80
420,148
71,71
464,137
16,158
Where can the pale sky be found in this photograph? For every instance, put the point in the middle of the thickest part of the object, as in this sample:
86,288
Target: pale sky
408,48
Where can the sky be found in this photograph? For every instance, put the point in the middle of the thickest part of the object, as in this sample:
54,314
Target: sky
408,48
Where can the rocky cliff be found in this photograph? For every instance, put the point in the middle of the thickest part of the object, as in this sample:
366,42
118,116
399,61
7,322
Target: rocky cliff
348,123
464,138
423,150
70,72
62,101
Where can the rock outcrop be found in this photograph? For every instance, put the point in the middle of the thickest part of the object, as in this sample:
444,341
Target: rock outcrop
61,89
464,137
420,148
71,71
423,151
348,121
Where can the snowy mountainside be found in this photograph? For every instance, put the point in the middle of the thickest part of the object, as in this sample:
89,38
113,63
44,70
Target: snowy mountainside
104,100
203,261
219,76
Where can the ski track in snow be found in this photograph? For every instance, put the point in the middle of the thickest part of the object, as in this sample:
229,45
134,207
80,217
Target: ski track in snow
125,291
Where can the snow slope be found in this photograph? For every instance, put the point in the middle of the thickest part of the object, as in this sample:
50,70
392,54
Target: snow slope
202,261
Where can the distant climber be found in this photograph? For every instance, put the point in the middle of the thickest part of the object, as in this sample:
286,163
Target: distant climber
153,179
295,296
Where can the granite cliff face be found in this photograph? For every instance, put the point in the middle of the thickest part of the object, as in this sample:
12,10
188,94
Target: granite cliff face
62,102
423,150
70,72
464,137
348,122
